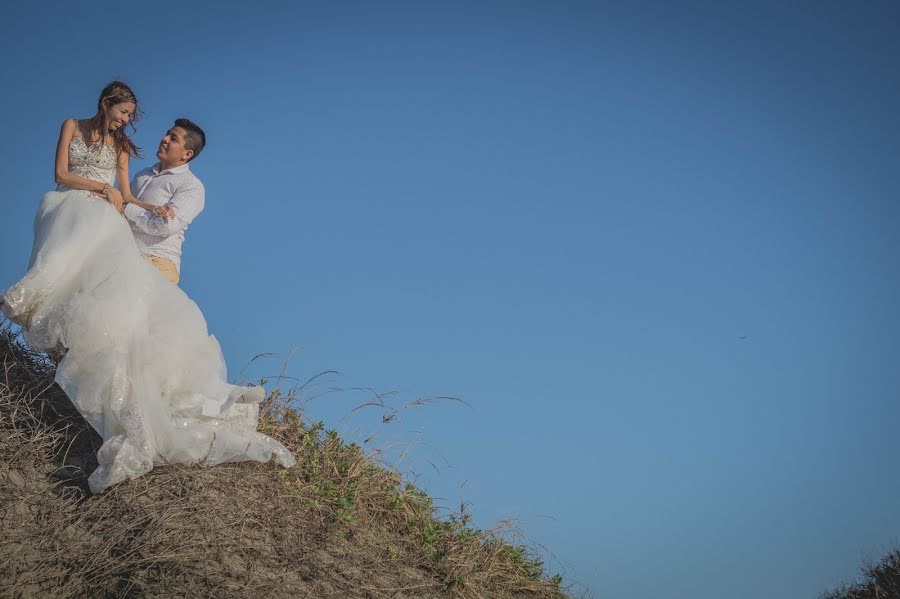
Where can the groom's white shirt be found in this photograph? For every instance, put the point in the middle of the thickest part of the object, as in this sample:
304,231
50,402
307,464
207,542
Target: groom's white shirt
183,191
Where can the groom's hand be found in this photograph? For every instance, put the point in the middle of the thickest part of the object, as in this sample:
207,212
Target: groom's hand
166,211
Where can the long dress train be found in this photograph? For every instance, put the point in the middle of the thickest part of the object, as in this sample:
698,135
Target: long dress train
139,365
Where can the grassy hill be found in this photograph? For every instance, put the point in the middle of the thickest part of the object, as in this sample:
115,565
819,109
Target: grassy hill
880,581
336,525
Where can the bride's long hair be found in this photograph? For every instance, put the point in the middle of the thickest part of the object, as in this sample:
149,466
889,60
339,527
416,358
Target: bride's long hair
117,92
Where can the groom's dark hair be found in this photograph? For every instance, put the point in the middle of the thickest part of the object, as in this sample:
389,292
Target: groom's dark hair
195,138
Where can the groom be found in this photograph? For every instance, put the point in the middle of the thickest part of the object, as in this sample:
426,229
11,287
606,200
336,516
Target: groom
172,197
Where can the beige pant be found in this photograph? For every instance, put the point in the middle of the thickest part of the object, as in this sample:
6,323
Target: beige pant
166,267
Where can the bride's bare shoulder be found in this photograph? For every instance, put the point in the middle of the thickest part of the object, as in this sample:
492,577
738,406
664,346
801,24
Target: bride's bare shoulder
69,126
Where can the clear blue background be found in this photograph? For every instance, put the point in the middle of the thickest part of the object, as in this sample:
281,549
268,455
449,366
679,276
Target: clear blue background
569,215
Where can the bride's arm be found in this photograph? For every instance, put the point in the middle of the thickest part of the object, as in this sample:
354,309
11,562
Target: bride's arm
63,176
124,186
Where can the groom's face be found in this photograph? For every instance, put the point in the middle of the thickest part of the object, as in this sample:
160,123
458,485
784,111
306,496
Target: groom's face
171,147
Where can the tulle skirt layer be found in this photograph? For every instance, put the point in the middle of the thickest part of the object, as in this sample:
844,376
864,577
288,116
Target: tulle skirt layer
139,362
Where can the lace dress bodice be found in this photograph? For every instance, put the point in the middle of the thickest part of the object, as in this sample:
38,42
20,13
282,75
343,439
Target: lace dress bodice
96,162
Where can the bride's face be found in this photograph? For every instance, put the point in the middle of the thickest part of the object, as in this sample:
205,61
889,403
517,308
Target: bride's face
118,115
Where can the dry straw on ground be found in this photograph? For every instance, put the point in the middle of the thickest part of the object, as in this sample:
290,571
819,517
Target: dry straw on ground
881,580
336,525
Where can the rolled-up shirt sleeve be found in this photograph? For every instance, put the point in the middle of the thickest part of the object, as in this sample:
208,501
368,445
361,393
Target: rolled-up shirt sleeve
187,203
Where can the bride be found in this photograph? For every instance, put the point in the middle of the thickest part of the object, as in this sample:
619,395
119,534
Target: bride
139,363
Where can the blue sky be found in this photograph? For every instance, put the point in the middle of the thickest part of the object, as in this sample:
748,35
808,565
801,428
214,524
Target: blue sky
653,245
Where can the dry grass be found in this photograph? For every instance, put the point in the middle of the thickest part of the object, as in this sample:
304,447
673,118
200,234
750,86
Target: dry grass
336,525
881,581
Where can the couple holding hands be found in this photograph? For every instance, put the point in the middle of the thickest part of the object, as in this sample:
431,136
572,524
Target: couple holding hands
138,361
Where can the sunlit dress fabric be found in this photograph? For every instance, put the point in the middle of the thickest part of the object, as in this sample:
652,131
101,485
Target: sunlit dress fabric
139,363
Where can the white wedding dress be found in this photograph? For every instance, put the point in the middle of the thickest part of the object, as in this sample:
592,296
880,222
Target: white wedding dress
139,364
